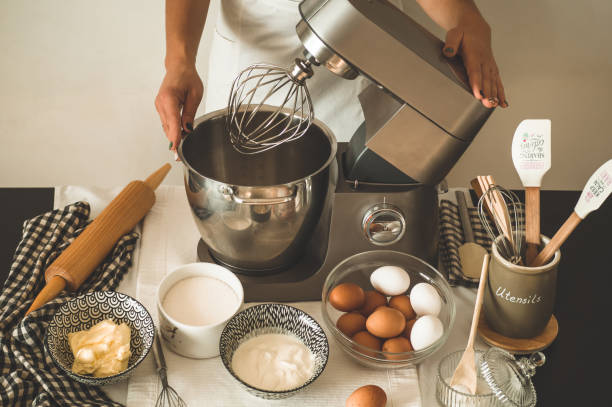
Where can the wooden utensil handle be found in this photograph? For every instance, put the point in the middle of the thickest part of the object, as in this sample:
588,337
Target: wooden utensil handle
532,222
88,250
464,215
479,299
557,240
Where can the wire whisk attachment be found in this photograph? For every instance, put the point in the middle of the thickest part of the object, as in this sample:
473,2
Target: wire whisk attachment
505,223
251,130
168,397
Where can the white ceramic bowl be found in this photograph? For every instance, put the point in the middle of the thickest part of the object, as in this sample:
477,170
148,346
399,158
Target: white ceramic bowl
196,341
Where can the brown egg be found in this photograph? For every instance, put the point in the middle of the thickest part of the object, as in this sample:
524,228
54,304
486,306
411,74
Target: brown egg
367,396
367,339
373,300
402,304
408,328
347,297
386,322
351,323
397,345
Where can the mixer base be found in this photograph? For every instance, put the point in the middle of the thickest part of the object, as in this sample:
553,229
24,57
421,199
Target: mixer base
301,282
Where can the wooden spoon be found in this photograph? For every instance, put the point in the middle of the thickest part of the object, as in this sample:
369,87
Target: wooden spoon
465,374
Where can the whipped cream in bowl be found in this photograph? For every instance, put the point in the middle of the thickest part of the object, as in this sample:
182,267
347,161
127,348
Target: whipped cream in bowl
273,350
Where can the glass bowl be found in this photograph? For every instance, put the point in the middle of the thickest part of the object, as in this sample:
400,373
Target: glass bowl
449,397
357,269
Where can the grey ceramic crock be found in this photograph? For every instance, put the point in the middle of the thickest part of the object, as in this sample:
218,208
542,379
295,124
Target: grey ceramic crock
518,300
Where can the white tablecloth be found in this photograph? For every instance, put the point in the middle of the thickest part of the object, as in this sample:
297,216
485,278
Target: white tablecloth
168,239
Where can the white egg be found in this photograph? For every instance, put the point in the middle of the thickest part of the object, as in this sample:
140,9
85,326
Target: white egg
425,331
390,280
425,299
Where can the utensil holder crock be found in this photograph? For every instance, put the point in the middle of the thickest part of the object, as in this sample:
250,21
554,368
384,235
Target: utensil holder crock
519,301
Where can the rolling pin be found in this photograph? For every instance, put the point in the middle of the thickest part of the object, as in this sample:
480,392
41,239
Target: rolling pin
87,251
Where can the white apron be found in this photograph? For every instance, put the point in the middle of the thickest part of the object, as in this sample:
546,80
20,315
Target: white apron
253,31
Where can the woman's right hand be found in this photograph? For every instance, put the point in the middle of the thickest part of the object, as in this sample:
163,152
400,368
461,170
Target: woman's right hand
177,101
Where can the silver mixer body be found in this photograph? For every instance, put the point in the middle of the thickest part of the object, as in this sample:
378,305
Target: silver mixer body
420,114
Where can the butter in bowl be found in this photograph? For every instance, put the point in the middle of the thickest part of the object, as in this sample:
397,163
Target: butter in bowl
273,350
99,337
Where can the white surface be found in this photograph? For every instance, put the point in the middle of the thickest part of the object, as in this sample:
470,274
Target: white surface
169,238
79,78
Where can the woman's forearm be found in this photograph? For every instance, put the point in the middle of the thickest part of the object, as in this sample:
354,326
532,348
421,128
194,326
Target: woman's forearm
184,24
449,13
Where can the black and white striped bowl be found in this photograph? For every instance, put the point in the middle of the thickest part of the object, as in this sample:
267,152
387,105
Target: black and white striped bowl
86,310
278,319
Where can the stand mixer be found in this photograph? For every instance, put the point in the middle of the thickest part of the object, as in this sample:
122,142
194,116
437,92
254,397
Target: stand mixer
420,116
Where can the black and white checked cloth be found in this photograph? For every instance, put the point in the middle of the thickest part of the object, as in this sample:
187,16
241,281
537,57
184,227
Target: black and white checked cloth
28,375
451,238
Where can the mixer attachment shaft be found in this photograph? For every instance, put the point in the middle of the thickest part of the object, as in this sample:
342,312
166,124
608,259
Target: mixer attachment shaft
251,132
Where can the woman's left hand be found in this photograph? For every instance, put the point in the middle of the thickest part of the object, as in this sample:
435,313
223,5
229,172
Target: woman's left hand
471,38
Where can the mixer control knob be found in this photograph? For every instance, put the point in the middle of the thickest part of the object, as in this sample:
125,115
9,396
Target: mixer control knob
383,224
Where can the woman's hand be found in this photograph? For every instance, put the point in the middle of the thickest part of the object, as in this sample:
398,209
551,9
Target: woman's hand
471,38
177,101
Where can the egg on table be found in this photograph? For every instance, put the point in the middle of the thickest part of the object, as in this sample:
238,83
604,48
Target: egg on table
367,396
425,299
390,280
425,331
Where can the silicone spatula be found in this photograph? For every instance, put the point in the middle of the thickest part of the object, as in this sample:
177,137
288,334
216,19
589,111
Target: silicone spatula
595,192
531,156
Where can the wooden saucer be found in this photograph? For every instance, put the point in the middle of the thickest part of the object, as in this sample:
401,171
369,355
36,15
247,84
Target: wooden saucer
516,345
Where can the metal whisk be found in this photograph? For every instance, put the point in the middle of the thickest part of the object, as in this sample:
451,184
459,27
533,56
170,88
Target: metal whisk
168,397
506,221
253,130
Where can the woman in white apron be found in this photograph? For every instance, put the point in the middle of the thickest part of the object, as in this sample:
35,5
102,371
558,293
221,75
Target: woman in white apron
252,31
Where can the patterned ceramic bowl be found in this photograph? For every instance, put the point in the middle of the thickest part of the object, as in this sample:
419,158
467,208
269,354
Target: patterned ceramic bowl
88,309
279,319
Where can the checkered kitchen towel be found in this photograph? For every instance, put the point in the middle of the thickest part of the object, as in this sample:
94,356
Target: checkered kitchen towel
451,238
28,376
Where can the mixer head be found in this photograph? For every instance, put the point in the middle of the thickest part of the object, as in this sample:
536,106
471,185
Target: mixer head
251,132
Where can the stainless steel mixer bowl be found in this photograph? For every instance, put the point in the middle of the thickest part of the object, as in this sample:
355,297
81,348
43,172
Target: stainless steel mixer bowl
257,212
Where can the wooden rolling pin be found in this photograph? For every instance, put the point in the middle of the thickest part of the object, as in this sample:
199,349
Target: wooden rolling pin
82,256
